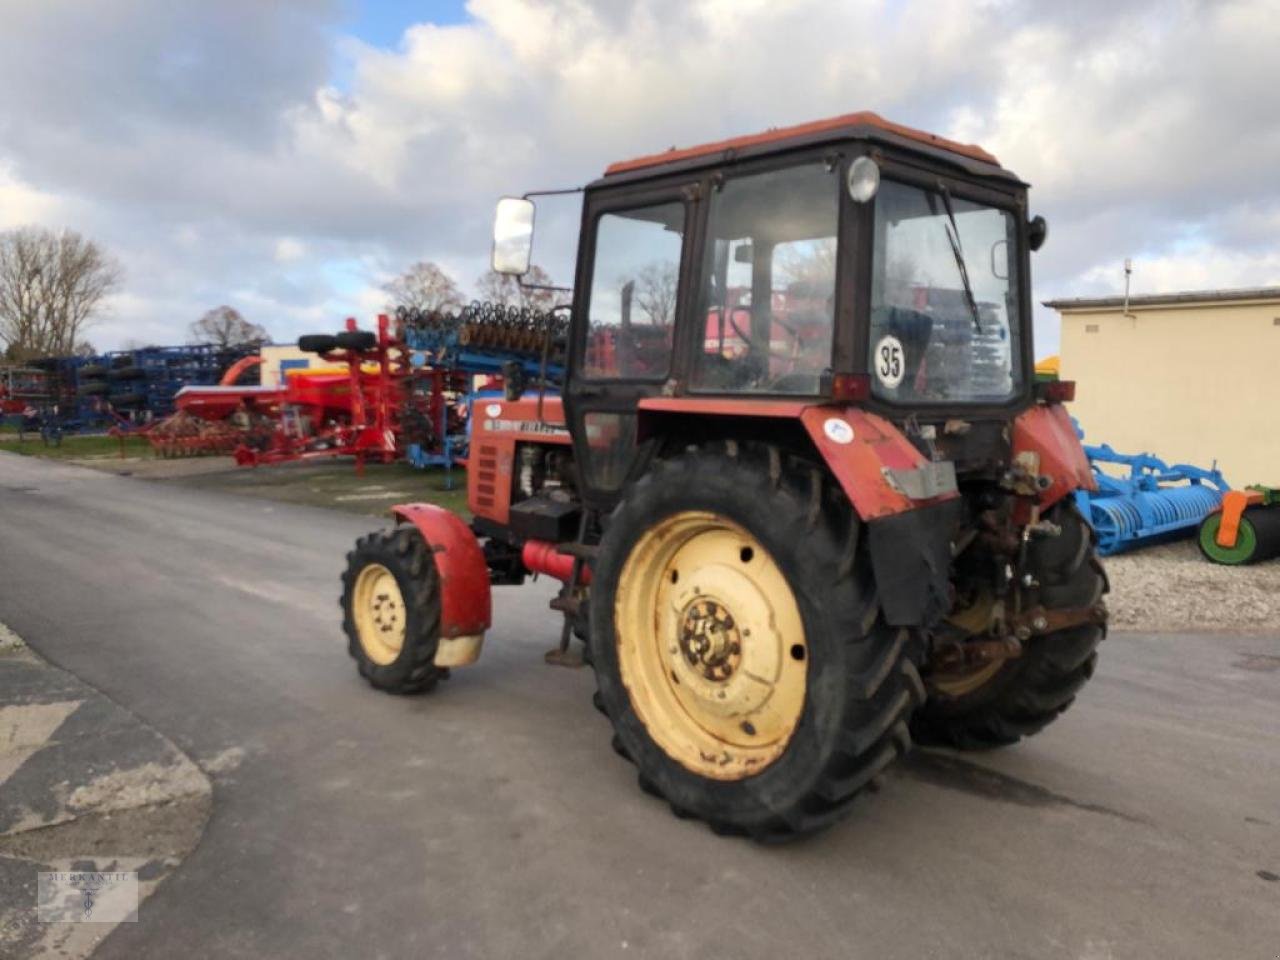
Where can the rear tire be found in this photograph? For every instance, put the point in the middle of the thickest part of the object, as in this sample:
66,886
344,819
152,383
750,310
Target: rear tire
859,680
1030,691
391,611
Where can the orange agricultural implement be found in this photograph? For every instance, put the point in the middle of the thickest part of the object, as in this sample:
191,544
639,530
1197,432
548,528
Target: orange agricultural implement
1246,529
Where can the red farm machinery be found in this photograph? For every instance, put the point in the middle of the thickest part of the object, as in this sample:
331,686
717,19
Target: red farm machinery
806,502
354,406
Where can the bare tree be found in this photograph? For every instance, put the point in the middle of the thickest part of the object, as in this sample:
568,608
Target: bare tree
656,292
424,286
51,284
506,289
226,327
809,262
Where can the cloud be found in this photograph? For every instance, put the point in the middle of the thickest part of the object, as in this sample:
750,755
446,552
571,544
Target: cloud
288,250
209,146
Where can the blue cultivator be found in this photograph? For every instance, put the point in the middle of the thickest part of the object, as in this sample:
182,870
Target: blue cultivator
1155,502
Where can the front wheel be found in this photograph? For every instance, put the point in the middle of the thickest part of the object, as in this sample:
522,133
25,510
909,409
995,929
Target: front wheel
391,611
738,648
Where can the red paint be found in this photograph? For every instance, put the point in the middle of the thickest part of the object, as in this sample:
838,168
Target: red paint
1056,391
491,460
859,465
541,556
1048,431
779,135
465,603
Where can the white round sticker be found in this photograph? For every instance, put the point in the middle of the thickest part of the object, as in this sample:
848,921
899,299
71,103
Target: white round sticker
493,410
837,430
889,361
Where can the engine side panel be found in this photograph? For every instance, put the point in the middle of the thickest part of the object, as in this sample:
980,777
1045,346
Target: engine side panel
497,426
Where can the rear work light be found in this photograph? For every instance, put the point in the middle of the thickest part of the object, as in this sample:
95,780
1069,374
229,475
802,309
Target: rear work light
1056,391
851,387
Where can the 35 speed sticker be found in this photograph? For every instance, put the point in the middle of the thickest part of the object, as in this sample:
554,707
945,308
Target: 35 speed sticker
889,361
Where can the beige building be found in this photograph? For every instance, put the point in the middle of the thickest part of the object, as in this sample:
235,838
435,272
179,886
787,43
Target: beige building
1190,377
277,358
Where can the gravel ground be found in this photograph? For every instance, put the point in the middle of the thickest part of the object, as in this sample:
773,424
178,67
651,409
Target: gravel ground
1172,587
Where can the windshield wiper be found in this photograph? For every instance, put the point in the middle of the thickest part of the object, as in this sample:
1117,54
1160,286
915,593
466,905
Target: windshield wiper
953,237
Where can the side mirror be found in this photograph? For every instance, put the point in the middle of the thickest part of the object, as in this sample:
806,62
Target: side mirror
512,236
1037,230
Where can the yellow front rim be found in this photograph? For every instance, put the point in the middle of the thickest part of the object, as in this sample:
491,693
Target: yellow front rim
377,607
711,646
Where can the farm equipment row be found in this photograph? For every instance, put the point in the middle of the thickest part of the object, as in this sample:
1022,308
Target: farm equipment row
1152,502
402,391
124,390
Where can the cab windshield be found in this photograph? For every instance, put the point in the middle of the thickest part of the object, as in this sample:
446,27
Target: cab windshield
945,316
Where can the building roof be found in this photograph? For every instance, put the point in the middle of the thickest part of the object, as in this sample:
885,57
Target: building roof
852,122
1242,295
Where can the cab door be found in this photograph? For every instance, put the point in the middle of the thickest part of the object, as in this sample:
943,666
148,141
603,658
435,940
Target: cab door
632,278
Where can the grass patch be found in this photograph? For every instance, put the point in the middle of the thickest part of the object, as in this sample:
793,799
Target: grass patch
336,485
76,447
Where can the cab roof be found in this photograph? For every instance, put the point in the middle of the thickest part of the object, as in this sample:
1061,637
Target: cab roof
863,124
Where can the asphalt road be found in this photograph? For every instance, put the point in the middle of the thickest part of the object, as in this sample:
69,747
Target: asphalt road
491,819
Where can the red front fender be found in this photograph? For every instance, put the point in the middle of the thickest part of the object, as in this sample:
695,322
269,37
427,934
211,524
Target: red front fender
465,605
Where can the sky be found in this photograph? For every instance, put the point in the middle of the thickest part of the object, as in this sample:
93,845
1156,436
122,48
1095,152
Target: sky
288,157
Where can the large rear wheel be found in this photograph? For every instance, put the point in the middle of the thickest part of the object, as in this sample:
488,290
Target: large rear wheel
997,703
738,647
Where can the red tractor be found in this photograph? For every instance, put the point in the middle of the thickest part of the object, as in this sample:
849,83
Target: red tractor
807,502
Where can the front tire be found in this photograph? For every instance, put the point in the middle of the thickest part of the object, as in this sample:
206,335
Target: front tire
391,611
738,648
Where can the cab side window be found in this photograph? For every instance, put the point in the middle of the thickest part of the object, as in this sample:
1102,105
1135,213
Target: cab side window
631,313
767,295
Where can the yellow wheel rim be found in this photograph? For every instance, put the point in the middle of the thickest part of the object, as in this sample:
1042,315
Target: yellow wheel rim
711,646
377,607
964,682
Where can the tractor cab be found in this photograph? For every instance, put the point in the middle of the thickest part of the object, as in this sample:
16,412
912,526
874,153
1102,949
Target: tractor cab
850,260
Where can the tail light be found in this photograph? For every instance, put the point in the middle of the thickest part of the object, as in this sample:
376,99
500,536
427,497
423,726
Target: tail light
850,387
1056,391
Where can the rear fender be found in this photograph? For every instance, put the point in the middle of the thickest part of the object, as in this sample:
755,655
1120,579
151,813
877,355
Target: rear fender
466,608
1047,433
910,505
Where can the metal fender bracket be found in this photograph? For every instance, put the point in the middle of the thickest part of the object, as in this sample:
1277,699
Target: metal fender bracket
929,480
1039,620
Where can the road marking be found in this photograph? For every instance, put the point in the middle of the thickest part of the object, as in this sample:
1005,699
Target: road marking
25,729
